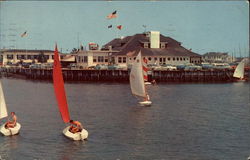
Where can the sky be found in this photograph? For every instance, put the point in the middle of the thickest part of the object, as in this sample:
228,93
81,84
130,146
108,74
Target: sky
203,26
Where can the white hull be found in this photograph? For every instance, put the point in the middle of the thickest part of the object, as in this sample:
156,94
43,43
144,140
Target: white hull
145,103
76,136
147,83
10,131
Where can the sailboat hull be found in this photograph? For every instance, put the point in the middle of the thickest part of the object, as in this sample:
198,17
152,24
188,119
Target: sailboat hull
10,131
145,103
76,136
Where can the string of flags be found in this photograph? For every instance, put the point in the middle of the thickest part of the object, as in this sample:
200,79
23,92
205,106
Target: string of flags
111,16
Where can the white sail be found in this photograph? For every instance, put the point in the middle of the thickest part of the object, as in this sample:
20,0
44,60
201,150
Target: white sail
136,77
239,71
3,108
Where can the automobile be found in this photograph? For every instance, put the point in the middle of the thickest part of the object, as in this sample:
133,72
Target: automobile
207,66
181,67
221,66
36,66
168,67
192,68
91,67
26,65
101,67
72,66
116,66
152,66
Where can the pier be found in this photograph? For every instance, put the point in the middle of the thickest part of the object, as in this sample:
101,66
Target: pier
122,75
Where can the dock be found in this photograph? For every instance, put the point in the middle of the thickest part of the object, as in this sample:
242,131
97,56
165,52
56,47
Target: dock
122,75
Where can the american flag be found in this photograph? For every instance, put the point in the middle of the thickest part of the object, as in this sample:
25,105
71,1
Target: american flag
112,15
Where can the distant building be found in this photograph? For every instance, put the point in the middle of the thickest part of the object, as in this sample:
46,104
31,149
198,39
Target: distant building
217,57
14,56
156,48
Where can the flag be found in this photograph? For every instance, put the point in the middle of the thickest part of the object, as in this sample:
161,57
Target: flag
110,26
119,27
24,34
112,15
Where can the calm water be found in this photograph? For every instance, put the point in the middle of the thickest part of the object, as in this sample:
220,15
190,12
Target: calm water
186,121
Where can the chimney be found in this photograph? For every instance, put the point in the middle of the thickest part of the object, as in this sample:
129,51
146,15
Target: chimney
154,39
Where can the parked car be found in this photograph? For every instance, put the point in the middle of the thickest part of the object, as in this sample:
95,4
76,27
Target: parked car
181,67
221,66
26,65
193,68
168,67
36,66
207,66
152,66
101,66
72,66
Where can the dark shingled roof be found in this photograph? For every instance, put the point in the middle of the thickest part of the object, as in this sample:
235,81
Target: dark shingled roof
133,44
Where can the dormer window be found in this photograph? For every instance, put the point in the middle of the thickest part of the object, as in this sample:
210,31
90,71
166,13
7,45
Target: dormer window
146,45
162,45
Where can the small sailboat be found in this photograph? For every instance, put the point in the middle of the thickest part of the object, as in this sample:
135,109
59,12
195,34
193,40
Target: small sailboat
62,100
3,113
239,71
145,71
137,81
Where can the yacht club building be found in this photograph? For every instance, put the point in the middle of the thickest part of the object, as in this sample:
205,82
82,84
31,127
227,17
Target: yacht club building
156,48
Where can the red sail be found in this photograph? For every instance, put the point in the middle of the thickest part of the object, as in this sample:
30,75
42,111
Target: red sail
59,88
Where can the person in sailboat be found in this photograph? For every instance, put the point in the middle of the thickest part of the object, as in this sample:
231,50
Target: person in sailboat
11,123
146,97
75,127
153,81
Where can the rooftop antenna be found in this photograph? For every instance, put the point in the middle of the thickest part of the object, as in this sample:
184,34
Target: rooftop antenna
145,28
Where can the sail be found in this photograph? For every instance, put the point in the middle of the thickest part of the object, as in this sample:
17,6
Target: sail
239,71
59,88
3,108
145,69
136,77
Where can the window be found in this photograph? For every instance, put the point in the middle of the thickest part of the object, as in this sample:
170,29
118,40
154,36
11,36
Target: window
177,58
85,59
173,58
119,59
9,56
28,56
106,59
160,60
100,59
168,58
155,58
35,56
134,58
23,56
162,45
164,59
52,56
146,45
181,59
19,57
94,59
149,58
124,60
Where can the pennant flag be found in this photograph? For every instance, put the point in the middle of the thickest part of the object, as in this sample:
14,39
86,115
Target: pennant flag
24,34
110,26
112,15
119,27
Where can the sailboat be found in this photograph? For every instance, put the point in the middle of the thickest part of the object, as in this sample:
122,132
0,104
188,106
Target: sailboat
145,71
3,113
239,71
62,100
137,81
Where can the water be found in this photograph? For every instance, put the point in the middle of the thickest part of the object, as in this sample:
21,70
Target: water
186,121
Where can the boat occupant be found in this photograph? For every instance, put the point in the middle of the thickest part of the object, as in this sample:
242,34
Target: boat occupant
147,98
11,123
75,127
